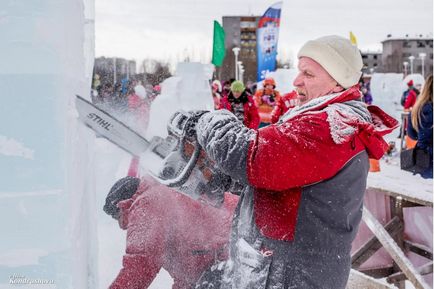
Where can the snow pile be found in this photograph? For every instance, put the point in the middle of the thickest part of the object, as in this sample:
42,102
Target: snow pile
189,90
284,79
391,178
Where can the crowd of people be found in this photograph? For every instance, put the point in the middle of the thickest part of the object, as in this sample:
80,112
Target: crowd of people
289,153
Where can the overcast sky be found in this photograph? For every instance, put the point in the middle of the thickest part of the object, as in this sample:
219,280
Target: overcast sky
171,29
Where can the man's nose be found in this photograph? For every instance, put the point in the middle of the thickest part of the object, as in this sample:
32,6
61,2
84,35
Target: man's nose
298,81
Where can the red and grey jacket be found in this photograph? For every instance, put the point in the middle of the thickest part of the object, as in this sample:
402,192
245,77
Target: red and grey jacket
166,229
306,177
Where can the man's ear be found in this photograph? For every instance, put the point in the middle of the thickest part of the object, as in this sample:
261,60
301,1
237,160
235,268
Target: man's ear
338,88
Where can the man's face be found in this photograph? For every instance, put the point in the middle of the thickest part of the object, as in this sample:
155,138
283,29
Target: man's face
313,81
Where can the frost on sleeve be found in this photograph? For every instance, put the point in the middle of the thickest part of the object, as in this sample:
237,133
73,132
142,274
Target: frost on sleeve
226,141
296,153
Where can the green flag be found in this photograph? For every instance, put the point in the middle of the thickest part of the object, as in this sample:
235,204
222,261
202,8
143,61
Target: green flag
218,49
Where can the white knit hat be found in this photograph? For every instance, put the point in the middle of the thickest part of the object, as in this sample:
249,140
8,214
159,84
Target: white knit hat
337,56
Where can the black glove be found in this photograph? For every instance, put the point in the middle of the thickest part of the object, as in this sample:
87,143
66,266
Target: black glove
123,189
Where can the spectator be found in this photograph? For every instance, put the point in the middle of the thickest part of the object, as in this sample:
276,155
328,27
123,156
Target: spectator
420,124
139,106
286,102
251,87
216,88
227,87
241,104
367,96
409,96
266,99
104,97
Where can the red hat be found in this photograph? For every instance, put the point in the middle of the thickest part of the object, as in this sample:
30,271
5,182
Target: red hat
269,81
410,83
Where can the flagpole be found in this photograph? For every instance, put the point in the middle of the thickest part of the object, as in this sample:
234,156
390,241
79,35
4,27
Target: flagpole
236,50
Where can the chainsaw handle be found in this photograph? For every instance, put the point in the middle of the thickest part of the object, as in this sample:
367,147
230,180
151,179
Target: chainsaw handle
182,177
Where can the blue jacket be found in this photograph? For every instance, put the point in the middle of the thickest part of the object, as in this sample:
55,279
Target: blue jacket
424,136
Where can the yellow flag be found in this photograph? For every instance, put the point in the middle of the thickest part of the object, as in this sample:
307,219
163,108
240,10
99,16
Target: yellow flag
353,38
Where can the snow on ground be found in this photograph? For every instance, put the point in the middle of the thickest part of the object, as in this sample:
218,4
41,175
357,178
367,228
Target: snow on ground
392,178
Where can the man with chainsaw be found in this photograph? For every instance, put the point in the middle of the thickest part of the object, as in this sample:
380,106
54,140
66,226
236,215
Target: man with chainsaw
294,228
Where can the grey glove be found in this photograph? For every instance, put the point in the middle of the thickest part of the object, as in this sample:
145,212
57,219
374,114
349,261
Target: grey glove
184,123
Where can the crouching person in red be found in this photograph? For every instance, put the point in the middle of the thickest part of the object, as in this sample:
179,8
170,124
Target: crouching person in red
294,229
166,229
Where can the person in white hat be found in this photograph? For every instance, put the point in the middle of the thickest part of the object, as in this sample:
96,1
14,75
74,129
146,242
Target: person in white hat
304,176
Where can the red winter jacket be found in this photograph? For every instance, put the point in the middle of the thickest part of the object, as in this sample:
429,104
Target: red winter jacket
251,115
284,103
140,109
166,229
410,100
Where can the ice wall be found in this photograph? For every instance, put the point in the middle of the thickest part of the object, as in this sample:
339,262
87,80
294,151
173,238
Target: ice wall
46,58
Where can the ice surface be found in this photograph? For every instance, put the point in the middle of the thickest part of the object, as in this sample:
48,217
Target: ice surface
12,147
46,58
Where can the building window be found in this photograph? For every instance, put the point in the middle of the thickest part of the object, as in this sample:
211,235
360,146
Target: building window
420,44
375,64
406,44
406,55
247,24
375,56
364,56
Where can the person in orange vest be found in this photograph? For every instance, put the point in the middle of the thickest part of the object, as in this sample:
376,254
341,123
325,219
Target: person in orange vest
266,99
286,102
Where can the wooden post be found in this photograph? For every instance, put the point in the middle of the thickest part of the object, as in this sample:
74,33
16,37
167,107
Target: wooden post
393,227
395,252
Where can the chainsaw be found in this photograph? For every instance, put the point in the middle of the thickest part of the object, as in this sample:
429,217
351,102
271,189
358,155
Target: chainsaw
185,166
